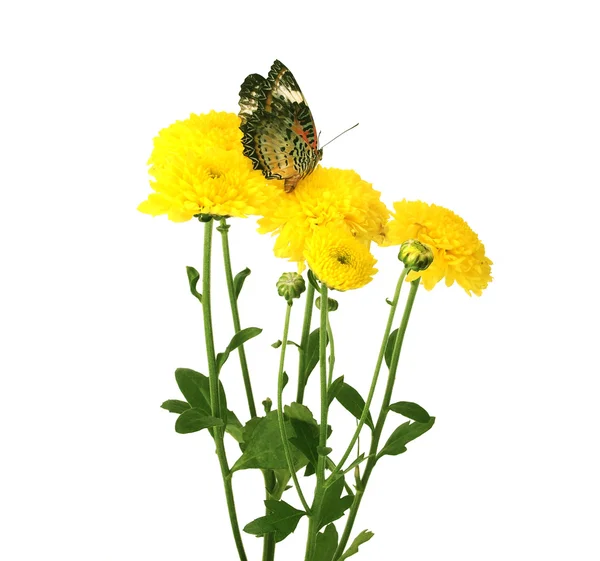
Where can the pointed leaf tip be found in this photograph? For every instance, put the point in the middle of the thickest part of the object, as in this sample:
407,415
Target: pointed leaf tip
193,277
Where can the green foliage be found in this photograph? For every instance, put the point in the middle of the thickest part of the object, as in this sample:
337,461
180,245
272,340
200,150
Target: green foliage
406,432
389,348
363,537
194,420
312,353
305,426
282,520
334,389
327,542
411,411
238,281
333,505
264,448
352,401
248,430
194,387
234,427
175,405
238,339
193,277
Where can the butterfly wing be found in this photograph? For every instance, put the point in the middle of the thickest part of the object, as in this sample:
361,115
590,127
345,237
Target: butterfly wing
279,129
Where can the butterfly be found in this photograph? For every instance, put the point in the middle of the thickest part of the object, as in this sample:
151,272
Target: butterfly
278,127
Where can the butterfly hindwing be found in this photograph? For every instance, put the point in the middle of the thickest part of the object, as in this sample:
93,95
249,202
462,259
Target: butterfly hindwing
278,127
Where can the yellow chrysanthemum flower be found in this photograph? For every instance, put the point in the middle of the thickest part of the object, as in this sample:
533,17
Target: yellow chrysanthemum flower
458,254
199,168
326,196
338,259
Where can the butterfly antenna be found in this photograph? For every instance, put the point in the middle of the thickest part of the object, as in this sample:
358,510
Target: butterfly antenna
352,127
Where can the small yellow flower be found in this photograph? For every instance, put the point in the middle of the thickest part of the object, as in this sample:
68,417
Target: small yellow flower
326,196
199,168
338,259
458,255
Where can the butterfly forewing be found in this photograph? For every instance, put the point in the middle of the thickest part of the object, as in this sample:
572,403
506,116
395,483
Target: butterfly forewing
278,127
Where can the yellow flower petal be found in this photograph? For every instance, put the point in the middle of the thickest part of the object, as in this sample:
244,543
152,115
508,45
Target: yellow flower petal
338,259
326,196
459,255
199,167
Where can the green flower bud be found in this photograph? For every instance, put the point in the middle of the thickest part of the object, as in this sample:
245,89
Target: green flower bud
290,286
267,404
415,255
332,304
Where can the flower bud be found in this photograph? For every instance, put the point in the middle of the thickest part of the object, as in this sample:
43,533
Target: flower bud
415,255
332,304
290,286
267,404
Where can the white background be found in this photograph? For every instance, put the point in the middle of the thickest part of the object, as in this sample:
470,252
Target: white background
488,108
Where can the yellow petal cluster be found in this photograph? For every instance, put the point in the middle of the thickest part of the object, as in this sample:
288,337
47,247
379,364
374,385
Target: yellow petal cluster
199,168
459,255
326,196
338,259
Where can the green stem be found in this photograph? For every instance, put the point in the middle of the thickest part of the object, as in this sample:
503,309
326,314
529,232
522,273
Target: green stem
384,341
269,539
224,228
213,377
380,421
280,419
320,487
331,352
310,298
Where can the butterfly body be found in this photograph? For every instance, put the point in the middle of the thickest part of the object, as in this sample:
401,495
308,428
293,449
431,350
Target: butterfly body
278,128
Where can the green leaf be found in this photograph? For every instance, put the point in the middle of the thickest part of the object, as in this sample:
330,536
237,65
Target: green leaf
264,447
194,387
238,282
313,280
312,353
363,537
353,402
237,340
194,420
248,430
286,379
389,302
175,405
299,412
326,544
324,450
277,344
306,440
333,505
193,277
334,389
234,427
389,348
306,429
411,411
282,519
406,432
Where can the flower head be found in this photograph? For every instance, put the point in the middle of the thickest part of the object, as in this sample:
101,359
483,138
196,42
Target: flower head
199,169
338,259
458,255
326,196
